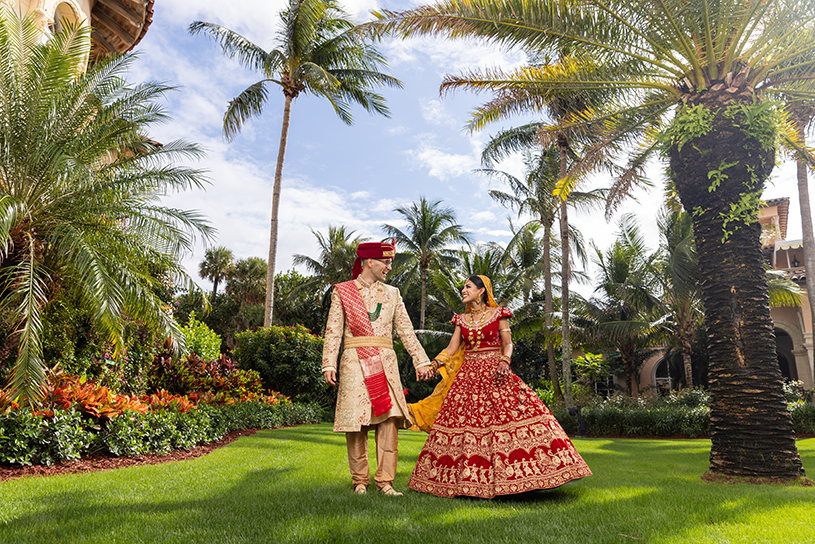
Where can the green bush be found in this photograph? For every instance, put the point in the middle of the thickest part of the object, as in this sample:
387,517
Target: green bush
136,434
201,340
289,360
803,417
29,439
610,420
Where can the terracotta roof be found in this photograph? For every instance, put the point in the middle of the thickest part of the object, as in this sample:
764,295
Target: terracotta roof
783,213
118,25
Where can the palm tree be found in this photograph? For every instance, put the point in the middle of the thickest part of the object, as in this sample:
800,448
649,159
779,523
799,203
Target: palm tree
247,281
80,184
535,195
430,231
317,52
216,266
679,278
802,114
622,316
711,69
335,263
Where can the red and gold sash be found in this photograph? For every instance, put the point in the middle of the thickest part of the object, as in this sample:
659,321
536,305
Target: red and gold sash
369,356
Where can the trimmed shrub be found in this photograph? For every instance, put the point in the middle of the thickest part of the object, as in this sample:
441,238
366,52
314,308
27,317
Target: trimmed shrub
289,360
43,438
50,437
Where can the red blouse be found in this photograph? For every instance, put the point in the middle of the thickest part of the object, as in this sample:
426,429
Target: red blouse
485,336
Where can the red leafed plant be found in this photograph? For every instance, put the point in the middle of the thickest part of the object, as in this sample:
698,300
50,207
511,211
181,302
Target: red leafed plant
88,398
162,400
7,404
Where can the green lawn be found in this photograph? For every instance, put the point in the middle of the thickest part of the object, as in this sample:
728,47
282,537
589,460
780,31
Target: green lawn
291,485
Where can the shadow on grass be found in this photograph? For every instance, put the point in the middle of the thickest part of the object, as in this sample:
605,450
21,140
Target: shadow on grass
302,502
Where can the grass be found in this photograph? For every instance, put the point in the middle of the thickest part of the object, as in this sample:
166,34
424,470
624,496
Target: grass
292,486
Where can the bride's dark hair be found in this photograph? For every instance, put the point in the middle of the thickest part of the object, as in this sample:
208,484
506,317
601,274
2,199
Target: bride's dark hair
479,283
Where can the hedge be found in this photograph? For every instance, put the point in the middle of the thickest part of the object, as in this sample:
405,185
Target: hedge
27,439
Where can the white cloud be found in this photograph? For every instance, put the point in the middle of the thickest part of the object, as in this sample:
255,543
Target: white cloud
443,165
482,216
436,113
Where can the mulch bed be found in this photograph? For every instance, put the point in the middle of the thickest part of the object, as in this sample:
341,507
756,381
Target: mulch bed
106,461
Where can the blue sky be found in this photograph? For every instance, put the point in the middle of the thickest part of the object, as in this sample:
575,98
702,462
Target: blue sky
335,174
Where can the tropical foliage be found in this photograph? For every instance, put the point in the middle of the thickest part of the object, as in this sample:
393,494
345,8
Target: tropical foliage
80,183
317,52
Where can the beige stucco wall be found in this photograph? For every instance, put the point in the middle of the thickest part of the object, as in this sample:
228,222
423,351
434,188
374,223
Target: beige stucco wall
78,10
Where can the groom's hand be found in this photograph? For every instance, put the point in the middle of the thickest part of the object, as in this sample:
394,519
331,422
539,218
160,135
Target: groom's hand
424,373
330,377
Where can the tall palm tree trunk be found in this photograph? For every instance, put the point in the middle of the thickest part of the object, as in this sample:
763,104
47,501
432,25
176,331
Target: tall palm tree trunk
547,308
751,429
686,346
803,119
566,354
423,302
278,182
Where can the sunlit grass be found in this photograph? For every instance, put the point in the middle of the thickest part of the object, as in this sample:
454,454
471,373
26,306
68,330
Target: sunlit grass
292,485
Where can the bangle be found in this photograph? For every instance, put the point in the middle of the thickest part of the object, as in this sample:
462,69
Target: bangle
504,330
506,358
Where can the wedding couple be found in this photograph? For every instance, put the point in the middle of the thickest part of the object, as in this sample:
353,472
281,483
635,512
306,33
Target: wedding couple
489,433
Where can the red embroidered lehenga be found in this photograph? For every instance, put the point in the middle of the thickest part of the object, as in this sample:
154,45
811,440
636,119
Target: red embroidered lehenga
493,436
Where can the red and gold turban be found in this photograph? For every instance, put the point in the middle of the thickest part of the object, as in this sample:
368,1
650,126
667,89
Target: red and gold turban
373,250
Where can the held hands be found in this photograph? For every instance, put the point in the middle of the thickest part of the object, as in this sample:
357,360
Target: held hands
425,373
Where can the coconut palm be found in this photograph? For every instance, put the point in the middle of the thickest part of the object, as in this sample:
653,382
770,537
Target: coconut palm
678,274
80,184
317,53
216,266
710,68
335,263
431,230
623,315
535,196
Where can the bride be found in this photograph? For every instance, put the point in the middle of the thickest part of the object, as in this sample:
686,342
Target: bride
490,434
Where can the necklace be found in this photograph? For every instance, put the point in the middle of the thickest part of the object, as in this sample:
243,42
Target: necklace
475,334
373,316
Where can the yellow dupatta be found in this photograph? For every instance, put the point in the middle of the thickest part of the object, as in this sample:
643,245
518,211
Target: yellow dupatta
424,413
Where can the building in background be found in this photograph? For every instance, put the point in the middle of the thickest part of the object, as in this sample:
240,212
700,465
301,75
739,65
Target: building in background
118,25
792,324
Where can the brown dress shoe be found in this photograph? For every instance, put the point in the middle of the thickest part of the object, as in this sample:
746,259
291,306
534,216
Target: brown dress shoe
390,491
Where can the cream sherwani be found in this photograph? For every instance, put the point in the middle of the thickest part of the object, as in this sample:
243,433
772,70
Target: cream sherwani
353,403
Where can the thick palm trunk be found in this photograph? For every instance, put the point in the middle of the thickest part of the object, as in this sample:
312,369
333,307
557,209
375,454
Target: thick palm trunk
806,220
278,182
566,354
547,308
751,429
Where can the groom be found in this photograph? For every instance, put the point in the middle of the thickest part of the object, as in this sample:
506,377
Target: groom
364,313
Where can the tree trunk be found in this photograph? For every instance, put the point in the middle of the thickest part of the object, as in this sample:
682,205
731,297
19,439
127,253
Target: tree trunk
803,119
751,429
423,301
278,182
566,354
214,289
547,309
686,345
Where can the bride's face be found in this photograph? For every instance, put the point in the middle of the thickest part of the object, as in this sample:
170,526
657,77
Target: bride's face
471,293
